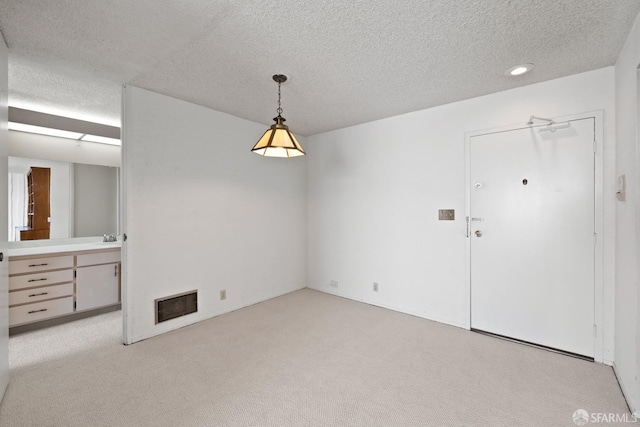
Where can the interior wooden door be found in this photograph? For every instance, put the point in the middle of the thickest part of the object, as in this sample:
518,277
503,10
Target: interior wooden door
532,204
39,204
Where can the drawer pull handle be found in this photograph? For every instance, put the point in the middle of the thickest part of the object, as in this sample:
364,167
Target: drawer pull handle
37,265
36,280
37,311
37,295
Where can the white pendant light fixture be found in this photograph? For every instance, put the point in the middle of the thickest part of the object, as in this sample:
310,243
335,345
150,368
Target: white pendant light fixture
278,141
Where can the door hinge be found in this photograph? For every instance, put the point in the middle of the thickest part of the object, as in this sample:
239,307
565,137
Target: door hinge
74,304
595,331
595,239
75,273
595,146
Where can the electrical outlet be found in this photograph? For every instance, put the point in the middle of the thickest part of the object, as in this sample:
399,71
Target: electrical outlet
375,287
223,294
334,283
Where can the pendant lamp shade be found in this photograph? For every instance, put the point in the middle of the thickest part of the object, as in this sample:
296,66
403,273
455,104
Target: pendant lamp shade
278,141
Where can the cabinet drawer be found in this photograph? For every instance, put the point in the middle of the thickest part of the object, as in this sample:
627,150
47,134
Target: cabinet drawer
98,258
40,279
39,294
39,311
40,264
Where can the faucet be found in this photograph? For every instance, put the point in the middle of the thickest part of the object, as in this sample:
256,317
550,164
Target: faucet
109,238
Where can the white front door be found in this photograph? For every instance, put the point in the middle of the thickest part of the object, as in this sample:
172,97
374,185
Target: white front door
532,235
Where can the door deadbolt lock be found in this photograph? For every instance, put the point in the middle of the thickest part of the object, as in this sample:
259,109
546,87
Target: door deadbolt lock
478,233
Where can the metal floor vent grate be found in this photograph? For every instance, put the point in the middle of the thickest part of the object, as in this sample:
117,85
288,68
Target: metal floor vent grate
168,308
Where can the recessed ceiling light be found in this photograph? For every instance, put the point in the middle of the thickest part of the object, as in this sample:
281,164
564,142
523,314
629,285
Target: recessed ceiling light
518,70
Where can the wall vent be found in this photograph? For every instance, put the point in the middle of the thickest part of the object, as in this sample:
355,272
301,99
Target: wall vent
173,306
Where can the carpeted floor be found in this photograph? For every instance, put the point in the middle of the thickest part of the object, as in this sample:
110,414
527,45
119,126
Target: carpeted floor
303,359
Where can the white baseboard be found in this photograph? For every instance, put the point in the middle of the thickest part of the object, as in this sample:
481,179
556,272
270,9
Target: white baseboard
393,308
625,394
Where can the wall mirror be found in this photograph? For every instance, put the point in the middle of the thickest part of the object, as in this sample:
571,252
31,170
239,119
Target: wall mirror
64,178
82,199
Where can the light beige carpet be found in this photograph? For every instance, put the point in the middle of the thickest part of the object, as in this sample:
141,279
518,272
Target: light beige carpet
303,359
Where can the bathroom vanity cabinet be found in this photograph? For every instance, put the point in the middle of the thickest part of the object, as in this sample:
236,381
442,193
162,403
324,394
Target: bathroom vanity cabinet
45,286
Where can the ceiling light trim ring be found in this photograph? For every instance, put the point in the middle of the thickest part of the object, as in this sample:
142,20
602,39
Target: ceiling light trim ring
526,68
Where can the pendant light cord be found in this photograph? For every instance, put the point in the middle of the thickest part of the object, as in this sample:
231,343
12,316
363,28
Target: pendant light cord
279,110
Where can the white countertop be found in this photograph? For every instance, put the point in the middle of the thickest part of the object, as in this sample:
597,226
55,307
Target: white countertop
71,247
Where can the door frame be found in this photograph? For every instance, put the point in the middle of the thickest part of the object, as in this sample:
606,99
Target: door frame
4,261
599,291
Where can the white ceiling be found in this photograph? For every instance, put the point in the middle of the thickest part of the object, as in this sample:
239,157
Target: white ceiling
348,62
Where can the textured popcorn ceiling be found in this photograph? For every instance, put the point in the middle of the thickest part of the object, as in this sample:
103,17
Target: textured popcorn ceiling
348,62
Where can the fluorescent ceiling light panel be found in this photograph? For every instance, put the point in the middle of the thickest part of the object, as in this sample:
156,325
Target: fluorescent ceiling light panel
101,139
21,127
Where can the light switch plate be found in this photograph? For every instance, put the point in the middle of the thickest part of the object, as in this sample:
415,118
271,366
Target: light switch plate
446,214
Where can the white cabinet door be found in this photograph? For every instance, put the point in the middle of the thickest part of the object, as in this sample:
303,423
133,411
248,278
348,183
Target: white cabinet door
97,286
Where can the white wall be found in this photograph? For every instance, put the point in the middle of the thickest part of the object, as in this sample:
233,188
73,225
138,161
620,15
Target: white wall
627,325
95,200
61,202
203,212
374,191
